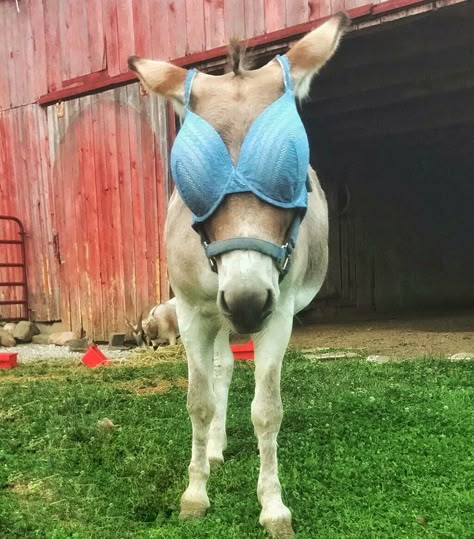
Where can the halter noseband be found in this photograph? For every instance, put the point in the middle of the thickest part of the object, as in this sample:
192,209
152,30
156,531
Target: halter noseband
281,254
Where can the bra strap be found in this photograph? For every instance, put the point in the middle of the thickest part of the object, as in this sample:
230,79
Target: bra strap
286,67
187,87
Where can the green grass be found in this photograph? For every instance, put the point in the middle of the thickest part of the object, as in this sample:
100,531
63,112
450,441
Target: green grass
366,451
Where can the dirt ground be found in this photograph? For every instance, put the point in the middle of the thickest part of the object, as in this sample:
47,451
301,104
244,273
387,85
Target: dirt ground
433,336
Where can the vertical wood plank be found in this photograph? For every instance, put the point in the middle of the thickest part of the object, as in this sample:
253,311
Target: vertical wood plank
4,80
76,46
337,5
125,32
275,15
88,156
214,23
138,204
325,8
142,30
297,12
51,275
52,20
176,29
127,248
73,245
254,18
159,29
109,19
150,202
314,9
96,37
12,57
234,16
195,28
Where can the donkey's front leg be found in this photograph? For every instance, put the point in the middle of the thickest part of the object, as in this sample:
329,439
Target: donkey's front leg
223,368
267,414
198,334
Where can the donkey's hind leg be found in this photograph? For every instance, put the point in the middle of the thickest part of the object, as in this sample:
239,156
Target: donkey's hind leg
223,368
198,333
267,414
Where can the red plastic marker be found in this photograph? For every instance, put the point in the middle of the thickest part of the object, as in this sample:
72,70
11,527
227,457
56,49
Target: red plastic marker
94,357
243,351
8,360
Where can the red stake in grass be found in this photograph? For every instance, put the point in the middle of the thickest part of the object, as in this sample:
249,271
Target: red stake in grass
8,360
94,357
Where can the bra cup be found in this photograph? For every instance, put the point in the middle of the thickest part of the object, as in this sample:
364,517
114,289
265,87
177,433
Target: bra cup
273,161
200,166
274,157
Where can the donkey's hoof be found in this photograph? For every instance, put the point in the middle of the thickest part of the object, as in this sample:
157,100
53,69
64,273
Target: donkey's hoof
278,522
193,508
280,528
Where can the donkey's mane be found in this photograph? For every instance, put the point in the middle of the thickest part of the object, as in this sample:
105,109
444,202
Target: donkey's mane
238,59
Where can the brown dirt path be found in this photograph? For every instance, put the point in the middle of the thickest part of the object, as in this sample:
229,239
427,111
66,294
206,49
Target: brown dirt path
405,337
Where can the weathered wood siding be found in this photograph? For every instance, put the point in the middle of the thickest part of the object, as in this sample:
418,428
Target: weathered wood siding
53,44
108,155
25,193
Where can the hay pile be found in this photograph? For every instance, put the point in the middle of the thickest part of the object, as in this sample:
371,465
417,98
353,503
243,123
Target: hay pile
163,354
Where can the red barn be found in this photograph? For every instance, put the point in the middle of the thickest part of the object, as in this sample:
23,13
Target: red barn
84,155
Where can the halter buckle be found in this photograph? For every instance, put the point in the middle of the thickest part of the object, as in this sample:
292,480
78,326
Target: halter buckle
212,261
286,260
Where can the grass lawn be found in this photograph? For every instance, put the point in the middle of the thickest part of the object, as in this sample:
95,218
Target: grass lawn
366,451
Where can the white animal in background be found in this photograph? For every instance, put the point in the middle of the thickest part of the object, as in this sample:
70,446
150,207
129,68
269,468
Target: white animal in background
159,327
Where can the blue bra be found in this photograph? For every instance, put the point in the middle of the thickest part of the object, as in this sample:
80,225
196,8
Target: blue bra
273,160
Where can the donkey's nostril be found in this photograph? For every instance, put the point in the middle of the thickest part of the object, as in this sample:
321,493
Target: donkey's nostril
246,309
267,308
223,304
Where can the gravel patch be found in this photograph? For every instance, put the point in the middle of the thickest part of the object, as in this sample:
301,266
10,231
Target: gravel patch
28,353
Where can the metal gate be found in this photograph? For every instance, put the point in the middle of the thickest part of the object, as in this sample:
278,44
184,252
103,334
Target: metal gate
11,282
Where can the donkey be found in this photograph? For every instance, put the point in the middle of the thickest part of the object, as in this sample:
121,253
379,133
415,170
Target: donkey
247,240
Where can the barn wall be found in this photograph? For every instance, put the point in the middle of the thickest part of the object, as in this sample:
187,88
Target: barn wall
25,193
53,44
108,156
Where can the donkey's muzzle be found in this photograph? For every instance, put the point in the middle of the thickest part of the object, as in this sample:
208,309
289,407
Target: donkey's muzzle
246,308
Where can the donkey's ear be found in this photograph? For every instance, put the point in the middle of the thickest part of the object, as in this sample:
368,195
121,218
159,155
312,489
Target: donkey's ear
311,52
161,78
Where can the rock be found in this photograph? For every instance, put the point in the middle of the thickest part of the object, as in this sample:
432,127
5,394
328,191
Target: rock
107,424
78,345
40,339
6,339
462,356
314,354
24,331
61,338
379,359
10,328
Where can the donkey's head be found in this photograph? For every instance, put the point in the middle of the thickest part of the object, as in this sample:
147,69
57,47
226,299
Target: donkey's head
240,163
